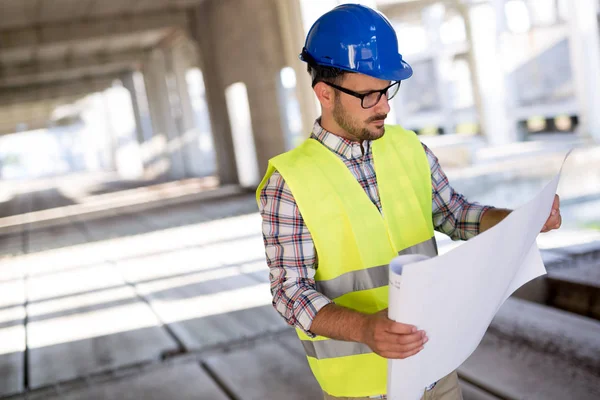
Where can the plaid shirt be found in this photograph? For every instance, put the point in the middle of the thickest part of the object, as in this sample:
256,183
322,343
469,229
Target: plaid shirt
290,250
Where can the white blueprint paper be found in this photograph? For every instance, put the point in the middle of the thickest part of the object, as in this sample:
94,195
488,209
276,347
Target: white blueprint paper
453,297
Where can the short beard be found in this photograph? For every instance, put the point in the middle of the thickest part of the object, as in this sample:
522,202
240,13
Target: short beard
347,123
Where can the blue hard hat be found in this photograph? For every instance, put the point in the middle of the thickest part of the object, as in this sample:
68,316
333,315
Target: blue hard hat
356,38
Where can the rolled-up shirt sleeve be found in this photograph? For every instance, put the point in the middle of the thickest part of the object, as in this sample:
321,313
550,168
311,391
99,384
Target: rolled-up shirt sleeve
291,256
452,213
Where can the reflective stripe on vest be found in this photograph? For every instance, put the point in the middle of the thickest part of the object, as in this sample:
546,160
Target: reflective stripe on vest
354,242
322,349
377,276
370,278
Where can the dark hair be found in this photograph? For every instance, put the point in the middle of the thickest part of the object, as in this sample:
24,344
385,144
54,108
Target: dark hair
320,73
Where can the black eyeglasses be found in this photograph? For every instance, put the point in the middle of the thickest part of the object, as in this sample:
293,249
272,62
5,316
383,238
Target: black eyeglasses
370,99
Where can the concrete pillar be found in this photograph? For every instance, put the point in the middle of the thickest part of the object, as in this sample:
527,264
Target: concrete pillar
111,140
252,28
183,57
166,144
127,80
584,49
133,81
484,24
293,37
122,130
433,18
201,29
139,106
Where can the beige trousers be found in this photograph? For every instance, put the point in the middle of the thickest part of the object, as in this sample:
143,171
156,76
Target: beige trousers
446,389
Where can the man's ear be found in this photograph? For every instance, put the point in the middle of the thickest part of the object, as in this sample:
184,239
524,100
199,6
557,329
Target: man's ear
325,94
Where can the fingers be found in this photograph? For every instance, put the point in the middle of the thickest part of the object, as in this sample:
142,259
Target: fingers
403,346
392,342
555,219
390,346
400,355
553,222
392,339
559,223
406,340
399,328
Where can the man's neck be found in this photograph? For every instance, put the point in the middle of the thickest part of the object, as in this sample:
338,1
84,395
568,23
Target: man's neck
331,126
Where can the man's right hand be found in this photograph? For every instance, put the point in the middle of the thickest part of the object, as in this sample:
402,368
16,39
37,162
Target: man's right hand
392,339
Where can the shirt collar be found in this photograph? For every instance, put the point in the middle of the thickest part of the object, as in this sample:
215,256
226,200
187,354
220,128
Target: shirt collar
339,145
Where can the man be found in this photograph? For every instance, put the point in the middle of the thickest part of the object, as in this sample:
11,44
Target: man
339,207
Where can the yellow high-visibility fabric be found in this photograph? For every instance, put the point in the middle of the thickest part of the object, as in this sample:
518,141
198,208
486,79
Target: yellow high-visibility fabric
350,234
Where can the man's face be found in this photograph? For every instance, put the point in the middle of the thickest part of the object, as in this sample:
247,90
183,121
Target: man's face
360,123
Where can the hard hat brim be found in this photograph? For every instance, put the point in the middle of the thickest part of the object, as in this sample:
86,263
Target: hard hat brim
401,72
404,71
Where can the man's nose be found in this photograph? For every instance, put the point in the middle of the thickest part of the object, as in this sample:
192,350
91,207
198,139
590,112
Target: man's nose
383,106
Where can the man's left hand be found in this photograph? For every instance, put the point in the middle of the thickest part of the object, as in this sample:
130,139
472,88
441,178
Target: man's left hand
554,220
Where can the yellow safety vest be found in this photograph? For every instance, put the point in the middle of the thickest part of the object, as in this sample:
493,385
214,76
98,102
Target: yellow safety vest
355,243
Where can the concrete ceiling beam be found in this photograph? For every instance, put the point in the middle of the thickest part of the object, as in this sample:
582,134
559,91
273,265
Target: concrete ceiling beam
80,88
68,68
34,114
52,34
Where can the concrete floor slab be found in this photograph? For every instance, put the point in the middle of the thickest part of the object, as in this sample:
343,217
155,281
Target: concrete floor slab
265,372
553,259
54,237
194,213
12,268
66,284
87,321
471,392
114,227
585,274
180,382
12,337
290,341
205,231
65,259
186,240
167,264
589,249
570,336
178,215
201,267
514,371
10,245
213,307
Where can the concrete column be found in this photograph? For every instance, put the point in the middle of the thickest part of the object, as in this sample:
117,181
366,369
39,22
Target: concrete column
127,80
252,28
433,17
134,83
484,24
111,140
202,31
121,122
293,37
584,49
166,143
183,57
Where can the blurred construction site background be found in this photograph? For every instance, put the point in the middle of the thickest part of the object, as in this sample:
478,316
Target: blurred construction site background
132,136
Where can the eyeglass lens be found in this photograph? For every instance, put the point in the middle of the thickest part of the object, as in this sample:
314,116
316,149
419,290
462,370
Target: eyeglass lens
373,98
